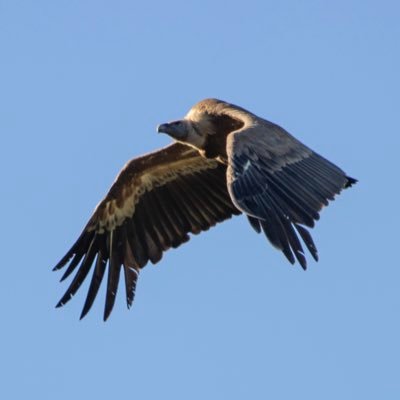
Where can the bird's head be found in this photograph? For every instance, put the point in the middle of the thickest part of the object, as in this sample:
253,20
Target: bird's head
184,131
178,130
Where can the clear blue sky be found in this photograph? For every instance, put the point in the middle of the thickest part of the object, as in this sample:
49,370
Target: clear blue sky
83,86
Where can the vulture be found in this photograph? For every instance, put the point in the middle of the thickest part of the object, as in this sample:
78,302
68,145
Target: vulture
224,161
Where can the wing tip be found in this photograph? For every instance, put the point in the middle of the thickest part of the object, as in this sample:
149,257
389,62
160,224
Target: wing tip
83,315
301,259
84,312
63,261
350,182
107,313
62,303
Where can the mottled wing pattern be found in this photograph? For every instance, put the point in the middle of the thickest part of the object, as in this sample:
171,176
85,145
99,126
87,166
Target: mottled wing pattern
281,185
155,202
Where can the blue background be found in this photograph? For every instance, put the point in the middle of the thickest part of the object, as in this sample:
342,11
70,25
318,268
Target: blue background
83,86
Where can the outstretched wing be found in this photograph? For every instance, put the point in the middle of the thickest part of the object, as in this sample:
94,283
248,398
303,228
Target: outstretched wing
281,185
154,203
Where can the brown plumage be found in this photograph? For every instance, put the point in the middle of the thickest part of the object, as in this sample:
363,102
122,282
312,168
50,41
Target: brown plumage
226,161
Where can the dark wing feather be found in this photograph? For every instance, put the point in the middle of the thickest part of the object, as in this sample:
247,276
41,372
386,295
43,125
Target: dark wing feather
97,277
281,185
153,205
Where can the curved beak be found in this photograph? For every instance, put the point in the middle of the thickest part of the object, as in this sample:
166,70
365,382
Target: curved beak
163,128
175,129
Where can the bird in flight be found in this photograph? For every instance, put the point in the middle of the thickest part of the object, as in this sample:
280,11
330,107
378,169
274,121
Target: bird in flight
224,161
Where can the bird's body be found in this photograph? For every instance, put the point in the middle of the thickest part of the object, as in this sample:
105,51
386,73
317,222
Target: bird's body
227,161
